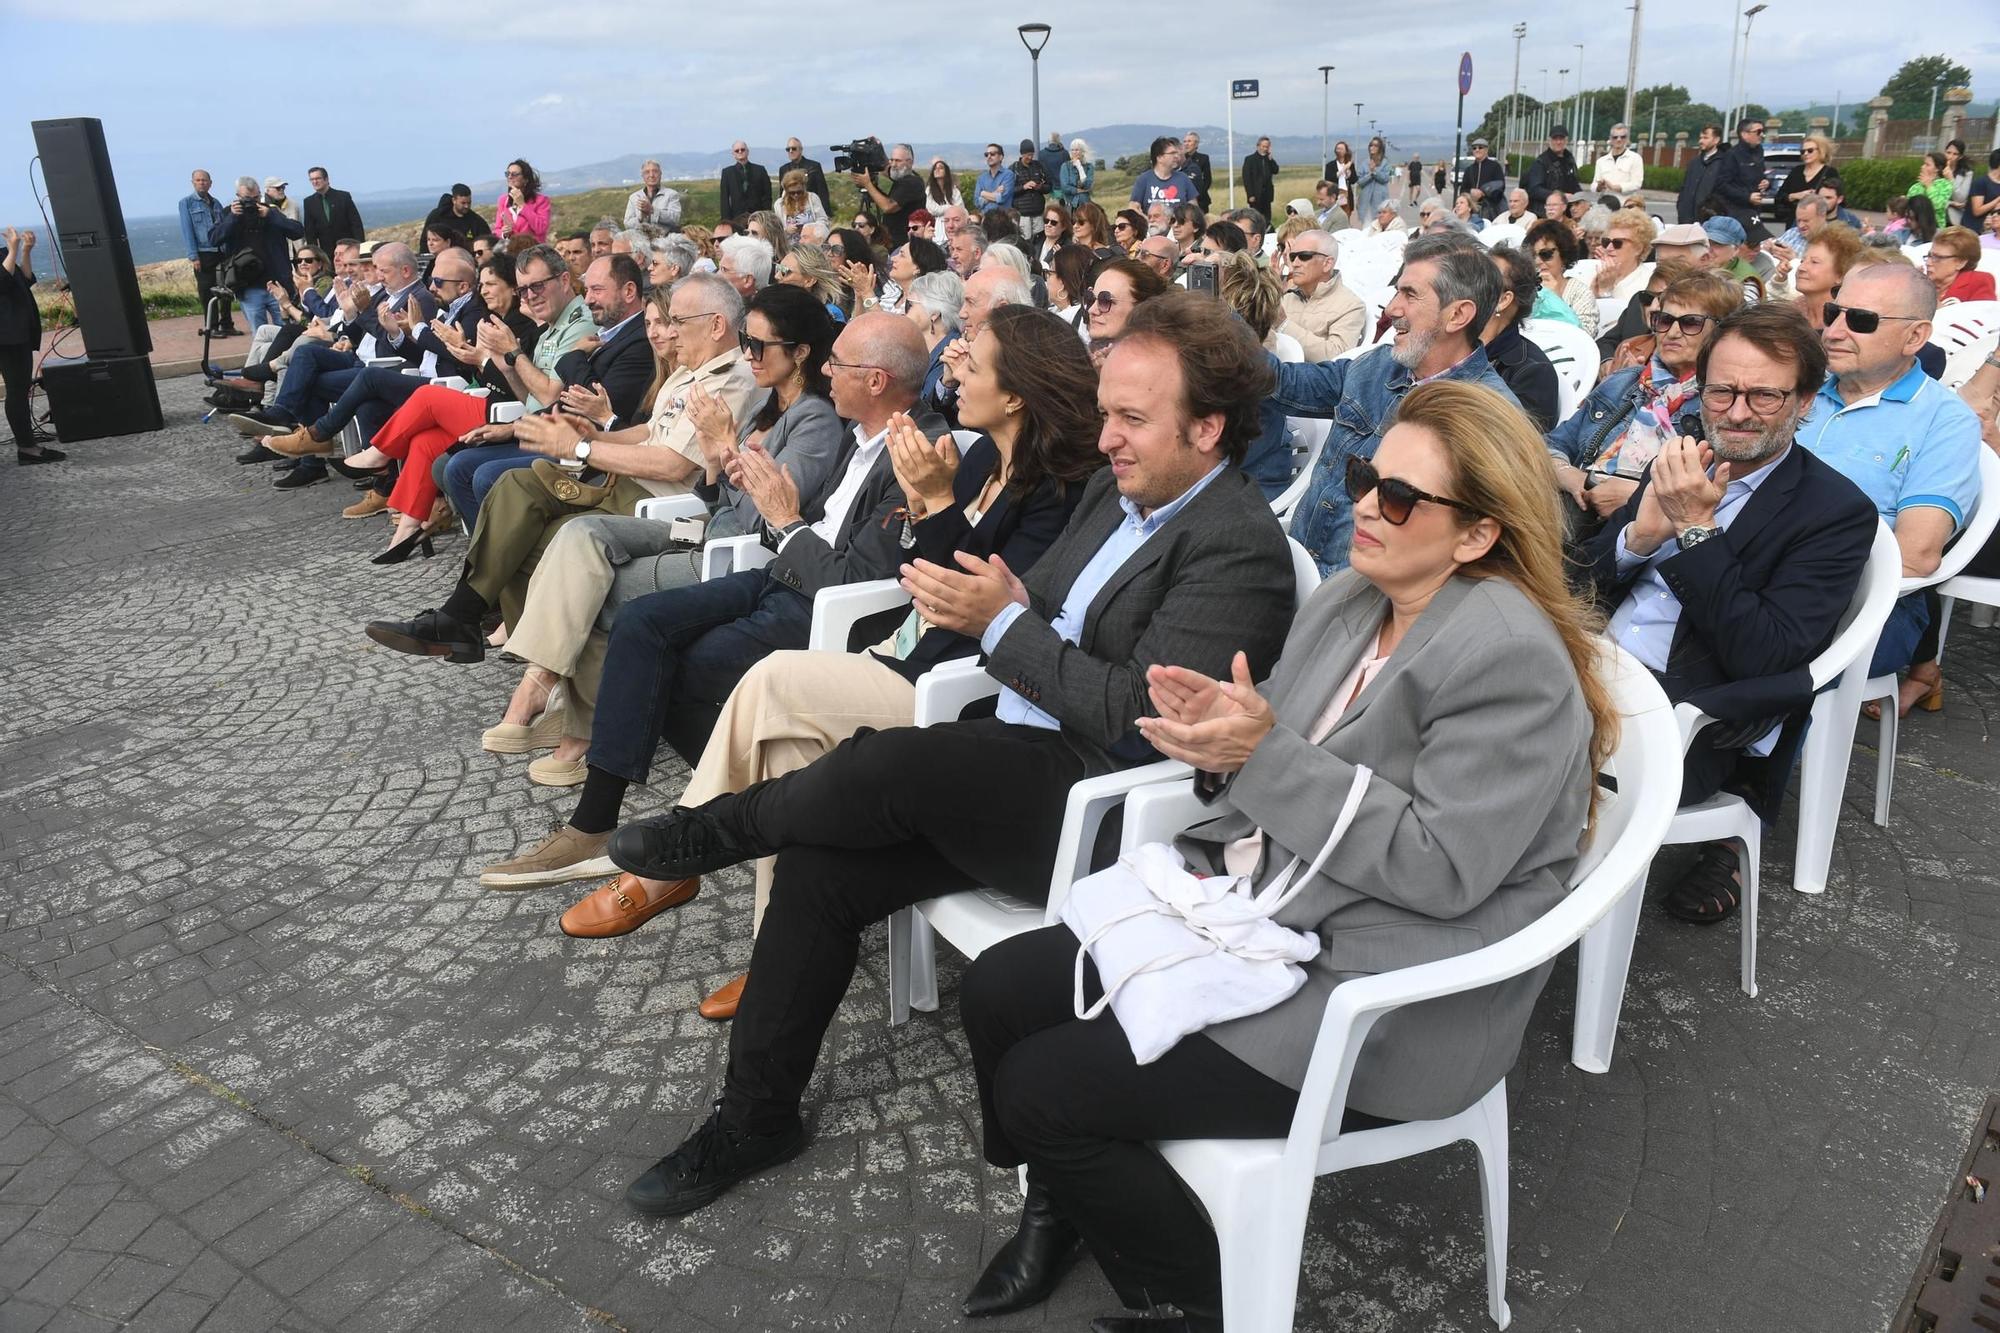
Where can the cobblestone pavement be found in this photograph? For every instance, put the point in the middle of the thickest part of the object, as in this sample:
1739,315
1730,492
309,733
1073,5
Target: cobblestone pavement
270,1058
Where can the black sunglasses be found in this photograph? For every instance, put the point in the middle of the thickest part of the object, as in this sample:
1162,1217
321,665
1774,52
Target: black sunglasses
1301,256
1395,497
754,348
1861,321
1546,252
1692,325
1647,298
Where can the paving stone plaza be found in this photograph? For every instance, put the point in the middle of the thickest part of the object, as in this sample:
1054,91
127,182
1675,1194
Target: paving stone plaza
270,1058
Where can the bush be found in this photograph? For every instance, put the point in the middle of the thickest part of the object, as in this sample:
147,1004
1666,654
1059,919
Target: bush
1872,182
1665,178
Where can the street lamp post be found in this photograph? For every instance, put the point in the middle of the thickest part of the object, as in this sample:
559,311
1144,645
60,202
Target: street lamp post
1743,66
1035,36
1632,66
1514,98
1576,102
1325,91
1930,117
1357,118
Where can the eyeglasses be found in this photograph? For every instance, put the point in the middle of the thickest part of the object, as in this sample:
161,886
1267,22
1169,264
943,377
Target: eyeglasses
1621,136
513,173
993,155
1546,252
1691,325
832,364
1052,221
1646,298
305,263
436,283
536,289
754,348
686,319
1301,256
1100,300
1395,497
1610,242
1862,321
785,272
1719,398
1937,254
1121,225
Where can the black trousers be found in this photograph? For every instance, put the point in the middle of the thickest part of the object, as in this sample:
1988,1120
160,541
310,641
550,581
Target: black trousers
884,820
17,369
207,277
1066,1097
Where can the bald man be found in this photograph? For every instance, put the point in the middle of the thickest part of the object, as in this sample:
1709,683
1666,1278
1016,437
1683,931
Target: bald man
746,187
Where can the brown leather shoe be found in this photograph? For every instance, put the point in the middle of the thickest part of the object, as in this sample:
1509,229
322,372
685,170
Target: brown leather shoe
302,443
369,505
721,1006
621,907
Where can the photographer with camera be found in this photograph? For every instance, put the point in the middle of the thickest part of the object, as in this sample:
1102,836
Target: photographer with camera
253,238
905,194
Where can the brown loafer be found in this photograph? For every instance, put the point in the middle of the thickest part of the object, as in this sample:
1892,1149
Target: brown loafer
721,1006
621,907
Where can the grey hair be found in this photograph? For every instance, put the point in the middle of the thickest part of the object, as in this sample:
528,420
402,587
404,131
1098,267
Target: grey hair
395,255
1322,241
1009,289
1010,257
642,246
1595,218
250,181
1916,284
939,293
750,256
1430,201
651,162
980,244
717,295
1818,205
1075,144
1464,272
906,148
677,250
547,256
612,225
897,352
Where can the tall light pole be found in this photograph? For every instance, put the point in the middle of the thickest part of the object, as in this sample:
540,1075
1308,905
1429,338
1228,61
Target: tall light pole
1357,118
1542,116
1632,67
1576,102
1743,66
1325,91
1729,90
1930,117
1035,36
1514,98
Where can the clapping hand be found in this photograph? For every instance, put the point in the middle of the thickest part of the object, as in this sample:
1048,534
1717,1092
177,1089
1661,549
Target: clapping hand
769,486
1210,724
1682,495
547,433
13,240
275,292
714,428
454,341
860,277
495,338
967,601
925,470
588,401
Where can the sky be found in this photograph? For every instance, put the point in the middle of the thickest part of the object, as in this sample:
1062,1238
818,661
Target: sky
407,95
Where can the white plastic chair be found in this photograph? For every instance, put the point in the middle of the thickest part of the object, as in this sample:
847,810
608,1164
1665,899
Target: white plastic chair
1968,331
1883,689
1257,1191
976,919
1308,436
1574,355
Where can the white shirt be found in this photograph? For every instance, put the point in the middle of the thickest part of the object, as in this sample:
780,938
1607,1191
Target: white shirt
1622,174
849,489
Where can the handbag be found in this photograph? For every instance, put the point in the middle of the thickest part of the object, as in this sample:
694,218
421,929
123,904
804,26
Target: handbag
1178,952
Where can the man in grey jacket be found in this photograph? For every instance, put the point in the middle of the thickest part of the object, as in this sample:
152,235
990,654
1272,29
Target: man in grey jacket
1171,557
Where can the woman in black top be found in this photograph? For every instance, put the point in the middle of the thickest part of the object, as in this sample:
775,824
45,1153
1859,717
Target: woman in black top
1815,169
20,336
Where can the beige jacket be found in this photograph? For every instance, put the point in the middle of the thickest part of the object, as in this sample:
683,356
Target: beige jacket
1333,320
726,376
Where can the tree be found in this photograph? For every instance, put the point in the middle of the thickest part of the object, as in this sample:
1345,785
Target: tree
1910,87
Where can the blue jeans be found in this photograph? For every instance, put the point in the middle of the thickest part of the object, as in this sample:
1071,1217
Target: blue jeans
301,388
258,309
371,397
470,473
1898,645
675,656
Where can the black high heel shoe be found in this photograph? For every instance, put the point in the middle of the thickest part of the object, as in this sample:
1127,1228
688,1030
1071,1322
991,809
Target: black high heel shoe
420,540
352,473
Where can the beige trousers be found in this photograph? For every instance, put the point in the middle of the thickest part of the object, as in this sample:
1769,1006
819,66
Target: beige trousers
789,710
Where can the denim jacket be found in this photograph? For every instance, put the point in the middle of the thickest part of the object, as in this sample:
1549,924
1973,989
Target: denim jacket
198,220
1358,394
1595,424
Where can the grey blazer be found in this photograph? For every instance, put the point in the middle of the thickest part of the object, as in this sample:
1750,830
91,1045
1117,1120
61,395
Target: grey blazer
1479,739
805,439
1216,577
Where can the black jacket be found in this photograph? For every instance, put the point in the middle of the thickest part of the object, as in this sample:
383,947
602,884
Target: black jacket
1549,172
331,217
263,235
1529,373
443,217
1260,178
1696,184
622,366
413,348
1738,172
1202,172
1490,177
746,188
20,318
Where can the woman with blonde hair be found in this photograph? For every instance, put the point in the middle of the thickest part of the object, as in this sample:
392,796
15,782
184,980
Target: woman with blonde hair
807,266
704,242
1254,294
797,206
1815,168
764,225
1453,661
1621,270
1827,258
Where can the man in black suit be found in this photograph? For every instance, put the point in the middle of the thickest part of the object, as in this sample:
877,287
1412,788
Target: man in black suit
1736,189
1730,567
1485,180
1700,176
1260,177
1199,169
796,160
329,215
1172,556
746,187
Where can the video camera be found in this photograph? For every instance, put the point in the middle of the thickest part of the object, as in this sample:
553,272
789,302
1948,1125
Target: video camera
861,155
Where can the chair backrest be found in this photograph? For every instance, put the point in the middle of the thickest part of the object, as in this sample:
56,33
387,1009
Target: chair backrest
1308,437
1630,827
1502,233
1968,331
1973,536
1287,348
1868,610
1916,254
1574,355
965,439
1305,574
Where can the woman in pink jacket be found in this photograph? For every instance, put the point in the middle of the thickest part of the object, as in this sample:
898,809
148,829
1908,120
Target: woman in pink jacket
523,210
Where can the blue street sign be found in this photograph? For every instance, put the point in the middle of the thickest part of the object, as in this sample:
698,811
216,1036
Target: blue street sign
1240,89
1465,74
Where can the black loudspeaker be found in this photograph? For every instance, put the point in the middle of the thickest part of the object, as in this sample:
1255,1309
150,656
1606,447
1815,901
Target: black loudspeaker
90,231
89,400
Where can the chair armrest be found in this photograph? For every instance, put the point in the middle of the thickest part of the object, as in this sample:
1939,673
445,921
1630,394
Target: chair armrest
499,414
1690,720
457,382
667,508
836,611
733,555
945,691
383,362
414,372
1161,812
1089,802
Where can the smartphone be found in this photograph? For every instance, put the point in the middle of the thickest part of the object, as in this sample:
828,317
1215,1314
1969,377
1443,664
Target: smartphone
1201,278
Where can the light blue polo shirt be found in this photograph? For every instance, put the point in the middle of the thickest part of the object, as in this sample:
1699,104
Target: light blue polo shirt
1915,443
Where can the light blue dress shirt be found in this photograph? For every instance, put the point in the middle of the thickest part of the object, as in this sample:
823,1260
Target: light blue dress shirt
1124,541
1643,625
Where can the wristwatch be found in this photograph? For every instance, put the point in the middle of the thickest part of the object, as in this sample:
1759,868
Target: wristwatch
510,357
1696,535
773,539
582,454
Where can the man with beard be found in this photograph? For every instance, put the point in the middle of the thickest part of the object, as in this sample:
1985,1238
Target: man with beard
1445,294
1729,622
904,196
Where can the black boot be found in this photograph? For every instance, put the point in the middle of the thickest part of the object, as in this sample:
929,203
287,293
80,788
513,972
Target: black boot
1028,1267
1160,1321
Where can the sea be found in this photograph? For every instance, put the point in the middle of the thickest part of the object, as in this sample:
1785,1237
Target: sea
156,239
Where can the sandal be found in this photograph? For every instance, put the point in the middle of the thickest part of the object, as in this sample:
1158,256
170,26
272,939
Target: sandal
1708,893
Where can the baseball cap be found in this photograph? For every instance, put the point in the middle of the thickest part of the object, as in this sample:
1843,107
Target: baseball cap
1559,132
275,182
1684,233
1481,143
1725,231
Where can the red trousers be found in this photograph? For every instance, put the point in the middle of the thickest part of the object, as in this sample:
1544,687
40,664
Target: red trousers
430,423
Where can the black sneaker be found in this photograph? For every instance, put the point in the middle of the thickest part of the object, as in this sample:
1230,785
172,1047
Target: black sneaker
257,453
431,634
674,844
261,421
712,1159
300,476
29,454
